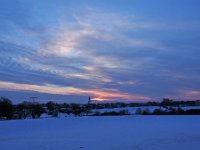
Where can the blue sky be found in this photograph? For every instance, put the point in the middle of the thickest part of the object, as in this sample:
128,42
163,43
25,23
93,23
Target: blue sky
110,50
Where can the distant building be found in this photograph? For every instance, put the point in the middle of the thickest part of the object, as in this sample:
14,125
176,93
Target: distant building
197,103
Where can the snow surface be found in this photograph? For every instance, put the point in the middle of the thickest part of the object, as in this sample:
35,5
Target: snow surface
190,107
102,133
131,110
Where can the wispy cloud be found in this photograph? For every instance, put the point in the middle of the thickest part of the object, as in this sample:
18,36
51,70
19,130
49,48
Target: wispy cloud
90,49
98,94
186,95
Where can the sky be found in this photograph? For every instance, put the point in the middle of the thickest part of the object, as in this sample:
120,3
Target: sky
116,50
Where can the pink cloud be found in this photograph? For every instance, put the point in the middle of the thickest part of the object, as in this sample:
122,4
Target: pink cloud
98,94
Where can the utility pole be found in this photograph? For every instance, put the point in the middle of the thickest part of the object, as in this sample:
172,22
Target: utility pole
33,99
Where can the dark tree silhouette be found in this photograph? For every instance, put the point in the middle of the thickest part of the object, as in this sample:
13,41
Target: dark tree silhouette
51,106
6,108
36,110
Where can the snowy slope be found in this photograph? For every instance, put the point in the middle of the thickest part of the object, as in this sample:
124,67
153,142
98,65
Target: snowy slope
102,133
131,110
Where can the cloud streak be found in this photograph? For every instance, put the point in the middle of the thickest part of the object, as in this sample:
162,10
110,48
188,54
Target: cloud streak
81,48
98,94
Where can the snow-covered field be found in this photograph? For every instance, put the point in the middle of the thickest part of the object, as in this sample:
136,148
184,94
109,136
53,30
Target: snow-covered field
102,133
131,110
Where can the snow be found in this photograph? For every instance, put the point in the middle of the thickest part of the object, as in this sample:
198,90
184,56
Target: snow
132,110
190,107
134,132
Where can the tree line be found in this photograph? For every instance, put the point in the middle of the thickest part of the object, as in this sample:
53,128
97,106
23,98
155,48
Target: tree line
168,111
24,110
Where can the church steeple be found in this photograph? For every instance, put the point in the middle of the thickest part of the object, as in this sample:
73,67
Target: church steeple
89,100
